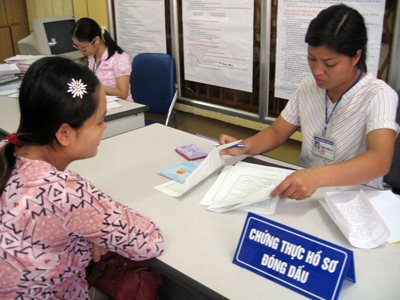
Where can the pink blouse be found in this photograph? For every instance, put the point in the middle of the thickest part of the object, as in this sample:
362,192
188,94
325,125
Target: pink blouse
48,222
107,71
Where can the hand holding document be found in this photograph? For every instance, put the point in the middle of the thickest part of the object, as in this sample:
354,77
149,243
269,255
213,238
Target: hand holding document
245,186
210,164
366,219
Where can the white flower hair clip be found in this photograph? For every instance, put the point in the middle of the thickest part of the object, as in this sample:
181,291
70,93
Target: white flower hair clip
77,88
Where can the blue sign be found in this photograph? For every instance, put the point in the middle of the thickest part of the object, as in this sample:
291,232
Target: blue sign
306,264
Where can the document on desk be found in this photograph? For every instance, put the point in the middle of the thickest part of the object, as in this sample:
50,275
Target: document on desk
366,219
111,102
246,187
209,165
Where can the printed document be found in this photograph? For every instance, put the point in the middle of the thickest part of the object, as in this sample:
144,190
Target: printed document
112,102
357,218
247,187
209,165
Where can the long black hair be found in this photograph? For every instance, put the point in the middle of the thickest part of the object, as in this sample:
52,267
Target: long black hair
45,104
341,29
86,29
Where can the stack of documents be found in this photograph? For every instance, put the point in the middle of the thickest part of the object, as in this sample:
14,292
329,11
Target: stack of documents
245,186
9,80
367,219
23,61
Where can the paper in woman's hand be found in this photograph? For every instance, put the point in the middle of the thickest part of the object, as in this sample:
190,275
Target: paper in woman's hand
247,187
209,165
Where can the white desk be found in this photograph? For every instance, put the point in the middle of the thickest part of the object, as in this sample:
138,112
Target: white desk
119,120
199,244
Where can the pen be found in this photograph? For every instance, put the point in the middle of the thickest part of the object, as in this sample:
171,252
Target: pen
239,146
236,146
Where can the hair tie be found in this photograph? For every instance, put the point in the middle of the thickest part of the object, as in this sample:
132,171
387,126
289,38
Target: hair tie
13,139
103,29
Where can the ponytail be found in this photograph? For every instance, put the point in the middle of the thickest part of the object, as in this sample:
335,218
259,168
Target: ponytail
111,44
7,163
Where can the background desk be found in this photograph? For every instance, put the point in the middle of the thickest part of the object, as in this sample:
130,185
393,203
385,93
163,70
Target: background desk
200,244
128,117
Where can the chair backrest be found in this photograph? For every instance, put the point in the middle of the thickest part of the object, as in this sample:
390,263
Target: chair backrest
153,81
393,177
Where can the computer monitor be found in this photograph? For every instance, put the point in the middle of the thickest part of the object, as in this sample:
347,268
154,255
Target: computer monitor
50,36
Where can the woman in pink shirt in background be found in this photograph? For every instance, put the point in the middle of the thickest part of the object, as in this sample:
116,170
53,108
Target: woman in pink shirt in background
106,59
54,222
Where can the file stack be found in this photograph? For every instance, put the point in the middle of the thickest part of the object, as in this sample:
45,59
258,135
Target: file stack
23,61
9,79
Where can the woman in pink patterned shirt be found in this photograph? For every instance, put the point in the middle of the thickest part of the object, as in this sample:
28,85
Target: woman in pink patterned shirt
52,220
106,59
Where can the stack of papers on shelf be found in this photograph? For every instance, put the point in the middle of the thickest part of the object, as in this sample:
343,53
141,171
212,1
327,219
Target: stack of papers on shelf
23,61
213,162
366,218
9,80
245,186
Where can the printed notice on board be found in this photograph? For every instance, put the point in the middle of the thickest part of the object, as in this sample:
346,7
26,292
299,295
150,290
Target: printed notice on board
218,42
140,26
291,49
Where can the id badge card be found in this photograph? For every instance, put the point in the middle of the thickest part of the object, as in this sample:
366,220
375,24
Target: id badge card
324,147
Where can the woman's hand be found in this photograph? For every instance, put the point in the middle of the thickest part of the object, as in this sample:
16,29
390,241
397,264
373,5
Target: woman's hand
98,251
299,185
234,151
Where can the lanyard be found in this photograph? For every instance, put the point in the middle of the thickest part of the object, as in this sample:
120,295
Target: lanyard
94,65
337,102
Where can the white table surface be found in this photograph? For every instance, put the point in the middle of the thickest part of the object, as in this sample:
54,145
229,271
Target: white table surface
128,117
200,244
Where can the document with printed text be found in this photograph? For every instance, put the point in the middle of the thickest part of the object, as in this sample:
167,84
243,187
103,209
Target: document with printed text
363,217
245,186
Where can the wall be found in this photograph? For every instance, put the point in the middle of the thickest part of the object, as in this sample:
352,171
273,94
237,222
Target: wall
13,27
48,8
95,9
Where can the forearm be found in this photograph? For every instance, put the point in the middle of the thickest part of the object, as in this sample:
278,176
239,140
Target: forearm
373,163
271,137
361,169
263,141
117,228
266,140
358,170
120,93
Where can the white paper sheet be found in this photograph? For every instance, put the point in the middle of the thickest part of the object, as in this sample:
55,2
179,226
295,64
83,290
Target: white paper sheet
210,164
291,50
9,69
111,98
140,26
357,218
111,102
245,186
218,42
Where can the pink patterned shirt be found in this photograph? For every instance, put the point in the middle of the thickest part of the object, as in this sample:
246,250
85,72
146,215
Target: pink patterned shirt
109,70
48,220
